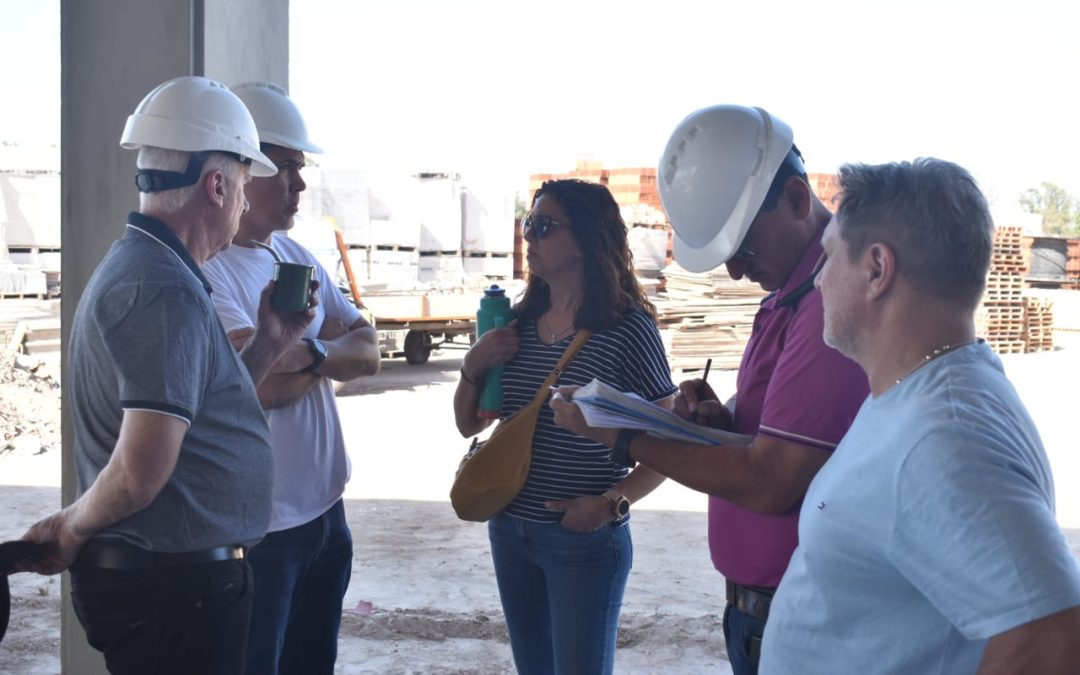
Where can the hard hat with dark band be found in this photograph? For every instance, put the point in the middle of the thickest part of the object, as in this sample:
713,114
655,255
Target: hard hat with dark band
158,180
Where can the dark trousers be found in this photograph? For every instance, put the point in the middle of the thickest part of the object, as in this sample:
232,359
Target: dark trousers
166,621
301,575
742,633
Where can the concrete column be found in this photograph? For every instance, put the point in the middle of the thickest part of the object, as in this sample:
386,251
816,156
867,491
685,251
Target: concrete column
247,40
112,54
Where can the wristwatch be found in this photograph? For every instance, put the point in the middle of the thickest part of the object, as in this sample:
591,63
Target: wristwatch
620,452
620,505
318,350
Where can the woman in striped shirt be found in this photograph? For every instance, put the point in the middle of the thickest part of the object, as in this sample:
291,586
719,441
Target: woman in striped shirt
562,548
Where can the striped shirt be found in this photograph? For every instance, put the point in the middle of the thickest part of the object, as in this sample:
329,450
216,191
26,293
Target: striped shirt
629,357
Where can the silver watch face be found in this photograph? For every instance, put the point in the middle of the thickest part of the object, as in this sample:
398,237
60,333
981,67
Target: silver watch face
623,507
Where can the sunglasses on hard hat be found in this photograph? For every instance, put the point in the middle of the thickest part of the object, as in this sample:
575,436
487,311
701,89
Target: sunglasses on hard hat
541,225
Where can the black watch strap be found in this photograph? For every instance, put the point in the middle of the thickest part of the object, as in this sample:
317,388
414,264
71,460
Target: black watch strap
318,351
620,452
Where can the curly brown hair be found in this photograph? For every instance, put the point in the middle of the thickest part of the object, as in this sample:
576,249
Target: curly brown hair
611,289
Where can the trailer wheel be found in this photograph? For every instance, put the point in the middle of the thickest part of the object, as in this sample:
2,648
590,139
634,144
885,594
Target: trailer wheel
417,347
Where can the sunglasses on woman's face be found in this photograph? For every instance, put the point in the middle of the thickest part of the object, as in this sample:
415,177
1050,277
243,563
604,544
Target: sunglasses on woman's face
541,225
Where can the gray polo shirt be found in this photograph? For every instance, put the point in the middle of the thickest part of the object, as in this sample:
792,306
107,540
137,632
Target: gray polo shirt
146,337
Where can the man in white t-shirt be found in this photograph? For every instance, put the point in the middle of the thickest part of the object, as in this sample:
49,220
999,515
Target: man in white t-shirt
302,568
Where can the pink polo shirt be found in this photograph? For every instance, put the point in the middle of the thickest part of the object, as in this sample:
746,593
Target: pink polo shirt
793,386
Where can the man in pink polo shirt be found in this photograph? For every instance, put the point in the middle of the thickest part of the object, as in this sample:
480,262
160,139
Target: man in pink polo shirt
736,192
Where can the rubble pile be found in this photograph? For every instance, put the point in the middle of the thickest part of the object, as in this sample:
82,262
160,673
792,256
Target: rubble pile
29,405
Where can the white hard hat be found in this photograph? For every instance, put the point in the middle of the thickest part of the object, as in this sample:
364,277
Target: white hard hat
278,119
714,175
195,114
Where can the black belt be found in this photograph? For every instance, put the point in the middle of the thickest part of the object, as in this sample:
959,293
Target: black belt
120,557
751,600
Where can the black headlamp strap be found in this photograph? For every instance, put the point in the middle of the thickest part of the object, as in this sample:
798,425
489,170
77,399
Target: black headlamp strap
158,180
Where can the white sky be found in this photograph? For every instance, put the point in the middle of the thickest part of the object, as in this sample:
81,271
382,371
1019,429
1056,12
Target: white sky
512,88
499,90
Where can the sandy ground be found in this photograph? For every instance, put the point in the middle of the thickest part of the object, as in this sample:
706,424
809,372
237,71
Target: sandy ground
423,597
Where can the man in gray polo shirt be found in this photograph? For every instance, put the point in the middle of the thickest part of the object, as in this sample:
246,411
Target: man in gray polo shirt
172,449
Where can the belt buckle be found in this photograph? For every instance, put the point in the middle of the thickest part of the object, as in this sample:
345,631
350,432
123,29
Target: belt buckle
749,601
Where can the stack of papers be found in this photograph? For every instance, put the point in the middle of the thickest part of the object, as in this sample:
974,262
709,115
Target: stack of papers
606,407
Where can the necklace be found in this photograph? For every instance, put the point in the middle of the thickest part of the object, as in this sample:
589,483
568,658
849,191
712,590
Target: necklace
556,333
940,351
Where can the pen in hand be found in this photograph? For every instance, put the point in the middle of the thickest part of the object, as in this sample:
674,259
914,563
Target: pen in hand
701,390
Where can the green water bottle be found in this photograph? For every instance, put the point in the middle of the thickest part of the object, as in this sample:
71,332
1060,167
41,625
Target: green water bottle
494,312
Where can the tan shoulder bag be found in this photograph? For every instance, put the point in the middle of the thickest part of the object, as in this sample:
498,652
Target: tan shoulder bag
493,472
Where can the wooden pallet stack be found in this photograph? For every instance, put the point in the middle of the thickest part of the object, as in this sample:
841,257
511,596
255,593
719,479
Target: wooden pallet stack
827,189
1000,317
1038,325
708,315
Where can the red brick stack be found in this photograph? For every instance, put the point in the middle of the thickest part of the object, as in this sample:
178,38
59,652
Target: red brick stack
591,170
629,186
634,186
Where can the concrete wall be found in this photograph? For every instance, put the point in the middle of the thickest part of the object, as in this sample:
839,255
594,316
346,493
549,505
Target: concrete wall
247,40
112,54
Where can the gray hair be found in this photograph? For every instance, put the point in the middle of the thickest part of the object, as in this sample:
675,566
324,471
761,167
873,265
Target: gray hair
171,201
933,215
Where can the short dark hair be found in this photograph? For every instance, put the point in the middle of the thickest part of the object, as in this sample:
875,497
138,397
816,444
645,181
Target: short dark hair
791,166
933,215
611,289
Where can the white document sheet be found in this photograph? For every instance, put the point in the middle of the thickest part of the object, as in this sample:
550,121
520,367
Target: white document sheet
606,407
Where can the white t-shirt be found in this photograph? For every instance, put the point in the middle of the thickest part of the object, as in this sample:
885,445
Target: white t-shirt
311,463
929,531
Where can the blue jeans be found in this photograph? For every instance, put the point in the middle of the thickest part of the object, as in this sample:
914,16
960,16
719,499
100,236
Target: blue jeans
561,593
742,633
300,577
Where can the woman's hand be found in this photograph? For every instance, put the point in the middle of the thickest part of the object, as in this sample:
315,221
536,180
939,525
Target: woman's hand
493,348
583,514
568,416
698,403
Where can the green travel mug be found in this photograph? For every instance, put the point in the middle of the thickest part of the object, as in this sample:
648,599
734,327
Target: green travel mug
293,286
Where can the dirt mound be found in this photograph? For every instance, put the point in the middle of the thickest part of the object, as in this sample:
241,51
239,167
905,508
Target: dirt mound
29,404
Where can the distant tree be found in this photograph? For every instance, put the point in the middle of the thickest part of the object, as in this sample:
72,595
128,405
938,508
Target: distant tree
1060,210
520,207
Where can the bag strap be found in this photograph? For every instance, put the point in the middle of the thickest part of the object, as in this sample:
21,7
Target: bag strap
579,339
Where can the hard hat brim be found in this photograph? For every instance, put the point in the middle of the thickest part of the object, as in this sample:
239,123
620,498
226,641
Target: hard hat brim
262,166
704,258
